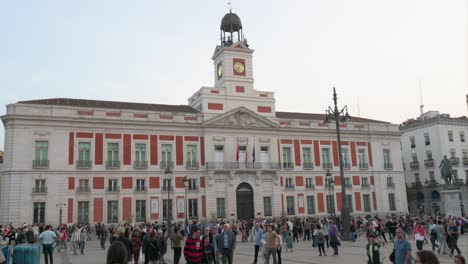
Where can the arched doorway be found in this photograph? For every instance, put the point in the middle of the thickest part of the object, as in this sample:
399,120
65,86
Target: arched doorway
244,201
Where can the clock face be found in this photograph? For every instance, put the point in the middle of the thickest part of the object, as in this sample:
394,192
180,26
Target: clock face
239,67
220,70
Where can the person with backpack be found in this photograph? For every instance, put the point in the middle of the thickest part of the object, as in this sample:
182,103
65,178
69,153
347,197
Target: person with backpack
372,250
152,250
319,239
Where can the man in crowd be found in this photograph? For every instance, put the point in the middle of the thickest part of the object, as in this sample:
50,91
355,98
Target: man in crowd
402,248
227,244
193,249
258,235
47,238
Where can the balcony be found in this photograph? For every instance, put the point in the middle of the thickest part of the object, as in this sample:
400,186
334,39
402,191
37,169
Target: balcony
347,166
243,165
39,190
348,185
307,165
289,187
327,165
165,164
83,189
288,165
310,186
365,186
83,164
416,184
167,188
458,182
414,165
140,164
388,166
363,166
113,189
191,165
40,164
390,185
432,183
465,161
429,163
455,160
112,164
141,189
193,189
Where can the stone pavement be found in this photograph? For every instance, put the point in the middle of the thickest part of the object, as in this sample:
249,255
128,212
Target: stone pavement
302,253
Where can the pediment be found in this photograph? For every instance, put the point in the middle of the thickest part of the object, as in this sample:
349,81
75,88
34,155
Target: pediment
241,118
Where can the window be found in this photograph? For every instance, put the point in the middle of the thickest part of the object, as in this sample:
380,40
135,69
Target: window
462,136
455,174
40,186
362,156
83,212
390,182
113,185
193,208
307,157
219,148
366,199
450,136
112,152
84,151
264,154
364,182
289,183
414,157
345,157
140,185
267,206
287,161
412,142
464,154
416,177
166,155
311,204
140,156
83,185
290,205
432,176
429,155
140,211
349,201
191,156
427,139
309,183
326,160
221,207
387,159
39,213
42,149
453,154
347,182
466,176
167,184
330,204
167,208
113,211
391,202
192,184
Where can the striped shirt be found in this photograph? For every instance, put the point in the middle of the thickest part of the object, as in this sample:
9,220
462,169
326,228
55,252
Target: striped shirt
193,250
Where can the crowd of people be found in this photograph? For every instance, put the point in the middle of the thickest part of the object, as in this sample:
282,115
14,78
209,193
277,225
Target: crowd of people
215,242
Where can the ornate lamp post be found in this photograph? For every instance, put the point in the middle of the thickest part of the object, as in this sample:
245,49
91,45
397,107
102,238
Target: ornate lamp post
333,114
185,202
331,192
168,177
60,205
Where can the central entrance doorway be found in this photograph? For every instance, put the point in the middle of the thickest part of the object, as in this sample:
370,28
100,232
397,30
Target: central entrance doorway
245,202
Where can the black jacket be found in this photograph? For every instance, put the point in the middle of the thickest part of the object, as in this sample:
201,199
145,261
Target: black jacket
128,244
376,254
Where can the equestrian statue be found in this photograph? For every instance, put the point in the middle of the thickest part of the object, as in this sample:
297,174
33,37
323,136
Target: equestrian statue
446,170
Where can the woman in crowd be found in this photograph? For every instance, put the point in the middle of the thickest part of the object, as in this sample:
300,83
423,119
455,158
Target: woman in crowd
425,257
117,253
208,251
319,239
136,246
418,232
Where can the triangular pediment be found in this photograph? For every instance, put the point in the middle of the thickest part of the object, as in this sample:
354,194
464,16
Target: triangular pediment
241,118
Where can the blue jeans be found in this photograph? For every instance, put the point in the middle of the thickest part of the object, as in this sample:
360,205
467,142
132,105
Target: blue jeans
352,237
48,253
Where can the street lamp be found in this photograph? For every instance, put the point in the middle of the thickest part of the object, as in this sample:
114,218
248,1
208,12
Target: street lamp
331,192
340,116
168,177
185,202
60,205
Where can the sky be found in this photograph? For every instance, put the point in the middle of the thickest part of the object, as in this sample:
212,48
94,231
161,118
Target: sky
377,53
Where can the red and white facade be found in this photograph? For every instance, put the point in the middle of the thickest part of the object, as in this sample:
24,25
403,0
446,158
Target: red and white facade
83,157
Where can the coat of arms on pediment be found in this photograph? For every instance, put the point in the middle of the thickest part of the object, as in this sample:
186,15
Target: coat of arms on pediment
243,118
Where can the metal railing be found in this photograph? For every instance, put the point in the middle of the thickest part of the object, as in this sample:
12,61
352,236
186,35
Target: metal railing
83,189
414,165
416,184
113,164
388,166
465,161
310,186
327,165
307,165
140,189
244,165
140,164
289,187
428,163
191,165
455,160
458,182
390,185
363,166
288,165
192,189
84,164
348,185
115,189
168,188
365,185
39,190
40,164
164,164
347,166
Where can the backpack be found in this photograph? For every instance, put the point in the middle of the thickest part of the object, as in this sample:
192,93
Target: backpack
153,250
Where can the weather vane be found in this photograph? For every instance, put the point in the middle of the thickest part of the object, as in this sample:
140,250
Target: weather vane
230,6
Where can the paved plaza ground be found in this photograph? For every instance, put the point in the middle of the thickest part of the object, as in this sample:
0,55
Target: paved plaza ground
302,253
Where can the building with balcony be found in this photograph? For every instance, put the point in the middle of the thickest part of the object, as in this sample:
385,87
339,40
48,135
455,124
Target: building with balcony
231,153
428,138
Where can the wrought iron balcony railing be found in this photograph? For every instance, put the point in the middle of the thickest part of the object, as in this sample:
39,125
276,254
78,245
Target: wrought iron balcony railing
168,188
191,165
140,189
347,166
428,163
83,164
288,165
327,165
307,165
458,182
243,165
83,189
165,164
416,184
289,187
310,186
414,165
140,164
390,185
455,160
363,166
38,190
388,166
40,164
113,164
113,189
465,161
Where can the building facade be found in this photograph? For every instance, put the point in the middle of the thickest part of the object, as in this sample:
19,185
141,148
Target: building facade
425,142
231,155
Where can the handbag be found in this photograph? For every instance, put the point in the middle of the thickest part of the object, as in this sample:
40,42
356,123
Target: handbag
392,256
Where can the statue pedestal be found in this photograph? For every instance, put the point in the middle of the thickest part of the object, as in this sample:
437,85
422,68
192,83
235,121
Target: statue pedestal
450,202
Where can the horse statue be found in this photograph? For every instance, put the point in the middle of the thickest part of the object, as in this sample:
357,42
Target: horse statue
446,170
